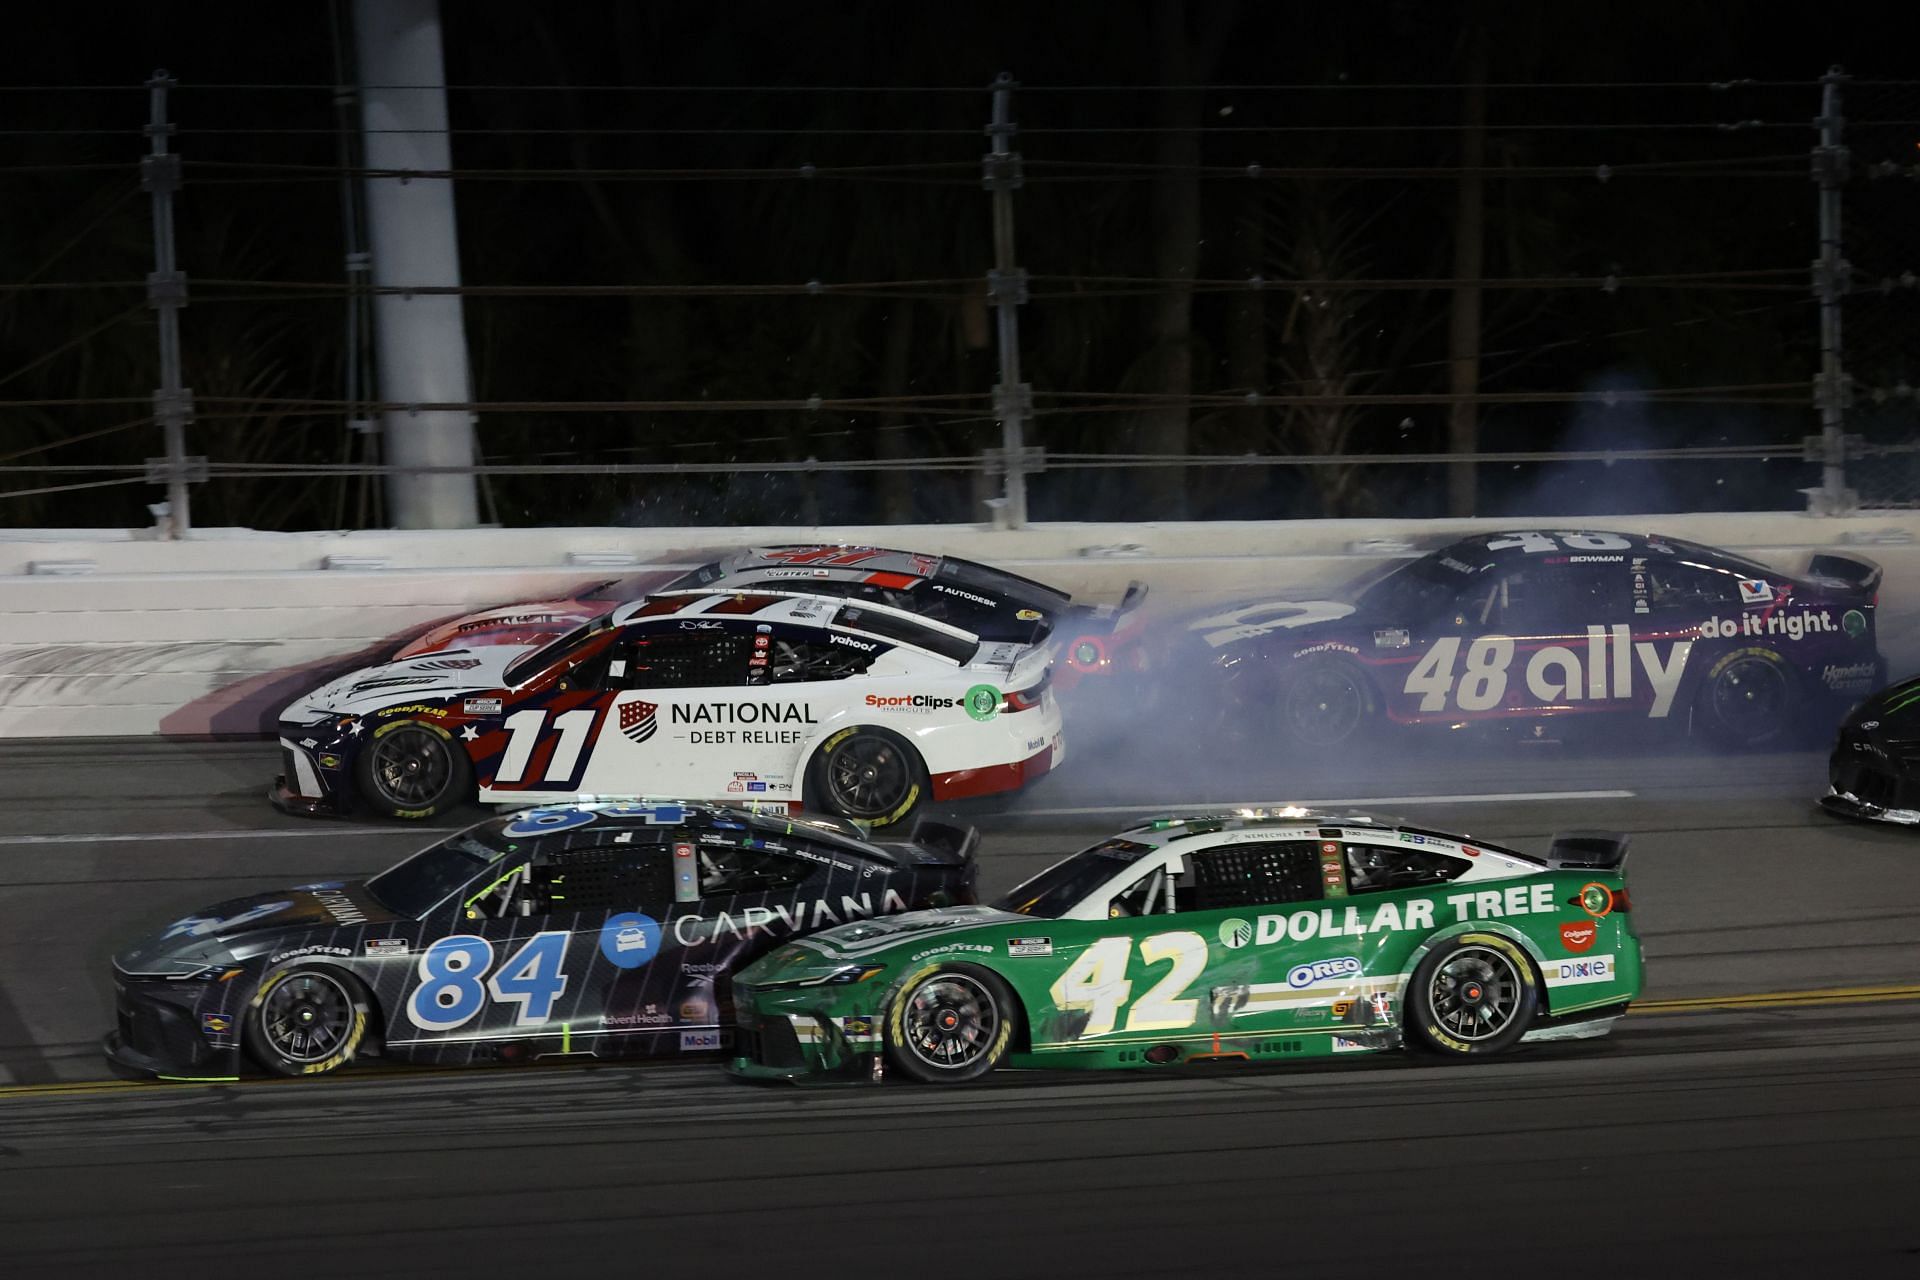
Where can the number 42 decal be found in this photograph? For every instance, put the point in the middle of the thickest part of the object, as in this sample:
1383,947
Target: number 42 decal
1097,982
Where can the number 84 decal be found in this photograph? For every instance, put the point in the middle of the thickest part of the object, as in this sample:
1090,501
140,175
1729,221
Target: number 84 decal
451,991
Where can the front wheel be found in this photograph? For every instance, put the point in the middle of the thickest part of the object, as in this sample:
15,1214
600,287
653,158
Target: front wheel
307,1021
1472,995
870,775
951,1025
1747,700
413,770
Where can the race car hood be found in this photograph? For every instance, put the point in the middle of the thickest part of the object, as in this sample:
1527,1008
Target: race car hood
1251,619
224,931
860,939
437,675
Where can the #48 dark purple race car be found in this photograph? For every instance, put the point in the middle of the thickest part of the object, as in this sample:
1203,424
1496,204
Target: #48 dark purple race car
1531,625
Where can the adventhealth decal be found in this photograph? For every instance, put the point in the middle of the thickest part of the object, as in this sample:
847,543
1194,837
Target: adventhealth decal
630,939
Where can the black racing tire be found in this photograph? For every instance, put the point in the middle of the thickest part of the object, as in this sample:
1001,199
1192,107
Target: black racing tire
413,769
307,1020
1325,702
869,774
1748,699
1472,996
949,1024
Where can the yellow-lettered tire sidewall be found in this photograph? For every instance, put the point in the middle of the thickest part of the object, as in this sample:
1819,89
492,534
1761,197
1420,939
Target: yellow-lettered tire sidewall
1423,1029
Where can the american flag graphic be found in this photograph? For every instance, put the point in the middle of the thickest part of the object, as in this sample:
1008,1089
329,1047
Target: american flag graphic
636,720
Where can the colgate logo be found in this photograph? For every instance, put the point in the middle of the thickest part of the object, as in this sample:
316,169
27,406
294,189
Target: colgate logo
1579,937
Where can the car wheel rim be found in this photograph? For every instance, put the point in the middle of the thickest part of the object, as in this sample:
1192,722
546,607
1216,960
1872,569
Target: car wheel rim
868,776
307,1018
1751,694
1475,994
1324,706
951,1022
410,767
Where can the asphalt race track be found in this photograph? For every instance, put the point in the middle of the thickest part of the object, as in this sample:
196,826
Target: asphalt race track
1764,1135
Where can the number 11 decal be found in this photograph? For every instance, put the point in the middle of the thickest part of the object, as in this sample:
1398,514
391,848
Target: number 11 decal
526,728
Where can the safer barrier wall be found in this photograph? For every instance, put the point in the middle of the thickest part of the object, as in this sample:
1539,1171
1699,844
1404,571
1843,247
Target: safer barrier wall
214,635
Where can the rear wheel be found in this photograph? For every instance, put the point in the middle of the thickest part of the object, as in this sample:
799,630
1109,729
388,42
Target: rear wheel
307,1021
1748,699
869,774
1472,995
1325,703
413,770
951,1024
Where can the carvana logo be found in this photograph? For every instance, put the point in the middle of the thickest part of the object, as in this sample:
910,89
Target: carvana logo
1307,975
630,939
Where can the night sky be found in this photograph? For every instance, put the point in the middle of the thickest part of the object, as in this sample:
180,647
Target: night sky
665,146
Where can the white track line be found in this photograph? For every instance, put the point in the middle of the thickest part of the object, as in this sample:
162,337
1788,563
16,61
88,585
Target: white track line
238,833
1219,806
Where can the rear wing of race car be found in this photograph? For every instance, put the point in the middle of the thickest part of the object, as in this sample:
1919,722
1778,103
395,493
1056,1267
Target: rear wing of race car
944,843
1588,851
1853,575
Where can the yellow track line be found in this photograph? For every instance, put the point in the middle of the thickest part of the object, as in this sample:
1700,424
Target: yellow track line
1782,999
1755,1000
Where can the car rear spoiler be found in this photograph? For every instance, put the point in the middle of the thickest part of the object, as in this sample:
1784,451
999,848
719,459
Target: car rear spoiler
1092,621
944,843
1588,851
1854,574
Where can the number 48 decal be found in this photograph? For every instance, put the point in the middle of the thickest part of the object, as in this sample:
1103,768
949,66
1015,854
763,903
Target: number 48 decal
1097,982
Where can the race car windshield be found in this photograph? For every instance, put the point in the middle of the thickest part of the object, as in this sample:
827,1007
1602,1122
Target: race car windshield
421,883
547,655
1415,591
1064,885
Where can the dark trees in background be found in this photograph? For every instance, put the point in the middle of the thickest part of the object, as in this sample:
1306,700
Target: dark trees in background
1171,224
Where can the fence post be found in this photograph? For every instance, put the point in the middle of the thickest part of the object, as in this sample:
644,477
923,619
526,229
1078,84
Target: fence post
1831,391
1007,290
166,294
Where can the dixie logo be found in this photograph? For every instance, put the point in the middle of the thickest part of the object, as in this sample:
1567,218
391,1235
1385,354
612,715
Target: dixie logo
1579,936
1306,975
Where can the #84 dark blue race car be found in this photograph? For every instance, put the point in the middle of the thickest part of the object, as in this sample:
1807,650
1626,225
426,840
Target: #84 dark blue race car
1532,626
605,930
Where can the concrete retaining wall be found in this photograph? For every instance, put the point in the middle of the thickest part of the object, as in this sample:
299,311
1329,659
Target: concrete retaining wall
215,634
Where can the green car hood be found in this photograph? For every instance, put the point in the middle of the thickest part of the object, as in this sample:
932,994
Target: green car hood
880,940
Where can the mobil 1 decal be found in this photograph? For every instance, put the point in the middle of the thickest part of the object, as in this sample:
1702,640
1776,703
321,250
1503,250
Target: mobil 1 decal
1610,666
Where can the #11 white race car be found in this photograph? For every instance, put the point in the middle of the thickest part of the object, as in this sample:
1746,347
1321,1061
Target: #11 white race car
858,709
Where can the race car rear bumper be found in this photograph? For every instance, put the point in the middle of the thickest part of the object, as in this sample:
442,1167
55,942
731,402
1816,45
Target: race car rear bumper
964,784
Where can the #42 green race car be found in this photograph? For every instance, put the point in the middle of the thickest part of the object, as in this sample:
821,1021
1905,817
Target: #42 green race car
1259,936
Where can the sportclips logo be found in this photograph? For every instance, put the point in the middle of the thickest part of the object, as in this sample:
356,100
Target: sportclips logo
911,702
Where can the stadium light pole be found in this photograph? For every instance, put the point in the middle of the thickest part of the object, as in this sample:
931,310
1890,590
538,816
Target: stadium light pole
420,341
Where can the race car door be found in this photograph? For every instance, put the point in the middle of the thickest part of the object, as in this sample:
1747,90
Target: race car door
669,682
1184,951
563,948
1544,635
